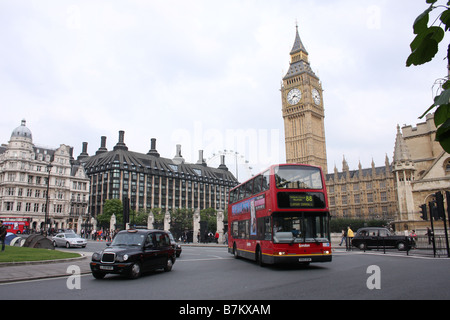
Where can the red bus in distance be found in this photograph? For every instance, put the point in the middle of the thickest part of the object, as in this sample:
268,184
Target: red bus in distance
281,216
16,225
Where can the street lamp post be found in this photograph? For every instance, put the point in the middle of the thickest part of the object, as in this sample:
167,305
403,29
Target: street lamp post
49,169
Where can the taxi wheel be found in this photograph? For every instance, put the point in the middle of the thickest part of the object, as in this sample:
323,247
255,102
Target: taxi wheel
169,265
135,271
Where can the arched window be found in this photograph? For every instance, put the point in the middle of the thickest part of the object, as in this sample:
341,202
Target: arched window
447,166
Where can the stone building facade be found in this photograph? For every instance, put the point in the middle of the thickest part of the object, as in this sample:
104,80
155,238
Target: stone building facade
364,193
26,168
421,168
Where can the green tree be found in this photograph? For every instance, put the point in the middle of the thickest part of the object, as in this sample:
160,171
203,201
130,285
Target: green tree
424,48
210,216
111,206
140,218
158,216
181,220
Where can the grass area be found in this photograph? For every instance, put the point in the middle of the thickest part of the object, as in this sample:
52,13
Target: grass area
20,254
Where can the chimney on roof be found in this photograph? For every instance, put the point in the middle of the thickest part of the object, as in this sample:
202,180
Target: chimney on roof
222,163
83,153
153,151
200,158
121,144
102,146
178,159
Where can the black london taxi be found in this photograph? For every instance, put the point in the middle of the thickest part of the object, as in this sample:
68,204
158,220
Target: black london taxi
374,237
133,252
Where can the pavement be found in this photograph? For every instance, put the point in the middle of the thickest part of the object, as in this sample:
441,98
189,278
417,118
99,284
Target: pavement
25,271
35,270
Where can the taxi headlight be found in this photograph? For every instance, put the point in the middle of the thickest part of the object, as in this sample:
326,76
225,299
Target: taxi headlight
122,258
96,256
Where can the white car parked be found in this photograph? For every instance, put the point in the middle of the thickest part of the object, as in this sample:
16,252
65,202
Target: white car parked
68,240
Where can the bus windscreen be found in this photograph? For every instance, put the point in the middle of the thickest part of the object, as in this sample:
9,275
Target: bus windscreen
298,177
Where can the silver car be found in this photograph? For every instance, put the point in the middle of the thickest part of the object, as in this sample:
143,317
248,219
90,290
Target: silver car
68,240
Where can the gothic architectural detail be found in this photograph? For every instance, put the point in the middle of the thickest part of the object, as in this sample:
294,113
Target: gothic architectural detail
25,169
421,169
404,170
363,193
303,110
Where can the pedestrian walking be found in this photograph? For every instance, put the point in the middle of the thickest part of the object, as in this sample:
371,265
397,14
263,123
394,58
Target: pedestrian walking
3,231
343,237
350,236
413,236
430,235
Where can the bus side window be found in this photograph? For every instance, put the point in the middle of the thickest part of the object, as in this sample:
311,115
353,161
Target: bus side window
233,196
241,193
249,187
264,230
267,229
234,230
266,180
257,186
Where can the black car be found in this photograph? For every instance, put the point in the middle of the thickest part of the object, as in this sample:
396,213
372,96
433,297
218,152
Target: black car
133,252
366,238
176,246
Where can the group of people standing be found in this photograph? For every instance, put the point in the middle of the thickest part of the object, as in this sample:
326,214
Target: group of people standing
106,235
347,236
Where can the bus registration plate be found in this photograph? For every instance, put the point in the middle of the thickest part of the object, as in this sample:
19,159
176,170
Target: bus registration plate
304,259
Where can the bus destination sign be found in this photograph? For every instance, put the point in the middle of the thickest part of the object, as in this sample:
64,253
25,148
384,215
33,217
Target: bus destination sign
301,201
306,200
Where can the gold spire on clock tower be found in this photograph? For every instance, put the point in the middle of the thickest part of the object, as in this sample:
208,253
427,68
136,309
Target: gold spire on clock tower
303,111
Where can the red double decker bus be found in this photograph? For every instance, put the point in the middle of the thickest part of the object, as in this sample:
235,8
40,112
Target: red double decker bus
281,216
16,225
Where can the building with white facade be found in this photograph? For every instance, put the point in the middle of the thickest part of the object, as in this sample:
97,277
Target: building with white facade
26,195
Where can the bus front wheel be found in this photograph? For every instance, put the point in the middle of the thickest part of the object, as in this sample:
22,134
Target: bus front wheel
235,253
258,256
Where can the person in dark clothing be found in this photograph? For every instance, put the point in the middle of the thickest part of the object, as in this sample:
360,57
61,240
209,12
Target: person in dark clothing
3,231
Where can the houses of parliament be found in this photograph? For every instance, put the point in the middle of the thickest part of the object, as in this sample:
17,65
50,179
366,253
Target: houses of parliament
393,191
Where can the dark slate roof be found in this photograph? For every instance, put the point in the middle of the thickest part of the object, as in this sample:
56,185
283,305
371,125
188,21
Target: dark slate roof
302,66
298,45
152,164
298,68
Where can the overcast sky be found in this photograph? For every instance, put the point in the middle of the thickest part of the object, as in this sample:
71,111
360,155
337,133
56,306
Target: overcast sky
207,74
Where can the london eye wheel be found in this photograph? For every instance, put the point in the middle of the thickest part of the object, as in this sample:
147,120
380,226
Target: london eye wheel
234,161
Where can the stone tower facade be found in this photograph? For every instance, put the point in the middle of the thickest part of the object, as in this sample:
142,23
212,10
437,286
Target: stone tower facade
303,110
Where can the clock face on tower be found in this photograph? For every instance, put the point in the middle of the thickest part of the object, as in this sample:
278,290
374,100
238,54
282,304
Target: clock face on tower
294,96
315,96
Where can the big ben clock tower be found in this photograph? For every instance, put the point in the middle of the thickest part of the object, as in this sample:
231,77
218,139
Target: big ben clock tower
303,111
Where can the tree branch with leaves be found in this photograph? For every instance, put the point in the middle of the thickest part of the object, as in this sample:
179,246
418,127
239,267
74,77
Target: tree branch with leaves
424,48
